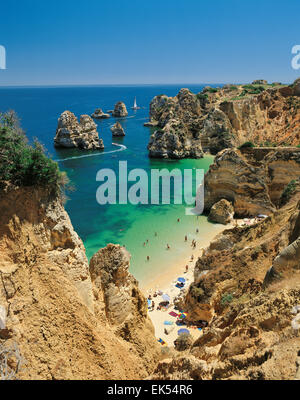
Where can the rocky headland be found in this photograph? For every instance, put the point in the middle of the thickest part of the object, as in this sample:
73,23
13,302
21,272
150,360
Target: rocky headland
71,133
189,124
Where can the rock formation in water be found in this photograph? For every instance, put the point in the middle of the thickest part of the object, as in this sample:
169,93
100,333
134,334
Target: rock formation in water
221,212
99,114
71,133
177,135
68,320
252,330
120,110
254,180
219,118
117,129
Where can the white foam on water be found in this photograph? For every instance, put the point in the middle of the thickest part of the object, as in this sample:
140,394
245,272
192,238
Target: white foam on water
122,148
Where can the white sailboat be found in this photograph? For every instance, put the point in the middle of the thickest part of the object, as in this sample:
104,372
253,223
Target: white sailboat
135,107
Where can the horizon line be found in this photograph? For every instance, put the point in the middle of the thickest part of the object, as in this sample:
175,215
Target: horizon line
120,84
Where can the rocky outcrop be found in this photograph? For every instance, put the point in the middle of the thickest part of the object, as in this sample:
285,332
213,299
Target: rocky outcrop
99,114
117,129
120,110
177,135
124,305
219,118
55,308
71,133
221,212
253,180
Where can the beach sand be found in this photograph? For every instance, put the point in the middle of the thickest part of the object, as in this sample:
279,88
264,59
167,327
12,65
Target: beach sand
165,282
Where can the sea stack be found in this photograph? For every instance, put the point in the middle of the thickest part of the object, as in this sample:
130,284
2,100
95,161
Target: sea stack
71,133
120,110
99,114
117,129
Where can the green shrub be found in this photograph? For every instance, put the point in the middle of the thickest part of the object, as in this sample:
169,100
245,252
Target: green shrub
288,191
22,164
201,96
212,90
226,299
247,145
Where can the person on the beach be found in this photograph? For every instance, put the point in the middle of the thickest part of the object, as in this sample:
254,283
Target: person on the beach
153,305
148,258
195,244
168,247
197,230
186,268
185,238
192,258
178,220
144,244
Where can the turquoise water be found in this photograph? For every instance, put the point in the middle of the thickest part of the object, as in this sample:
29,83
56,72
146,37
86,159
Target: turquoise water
98,225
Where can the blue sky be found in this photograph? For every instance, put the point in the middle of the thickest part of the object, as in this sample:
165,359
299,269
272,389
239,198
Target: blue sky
139,41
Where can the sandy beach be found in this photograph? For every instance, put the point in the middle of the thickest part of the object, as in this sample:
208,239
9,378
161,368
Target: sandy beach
165,283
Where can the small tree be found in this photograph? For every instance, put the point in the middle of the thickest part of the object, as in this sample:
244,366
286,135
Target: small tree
247,145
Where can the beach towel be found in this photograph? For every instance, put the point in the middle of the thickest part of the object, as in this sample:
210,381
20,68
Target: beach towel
162,342
200,329
168,322
182,316
173,314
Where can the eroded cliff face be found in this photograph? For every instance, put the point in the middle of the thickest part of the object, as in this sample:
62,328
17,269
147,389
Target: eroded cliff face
252,331
252,179
215,119
56,313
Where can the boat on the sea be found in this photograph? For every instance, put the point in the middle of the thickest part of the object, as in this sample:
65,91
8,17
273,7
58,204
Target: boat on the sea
135,106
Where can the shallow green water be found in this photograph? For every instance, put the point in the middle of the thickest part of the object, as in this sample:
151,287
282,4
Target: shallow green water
39,109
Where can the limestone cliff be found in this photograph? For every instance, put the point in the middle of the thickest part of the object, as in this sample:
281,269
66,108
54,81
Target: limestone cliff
252,179
71,133
55,308
252,329
219,118
177,135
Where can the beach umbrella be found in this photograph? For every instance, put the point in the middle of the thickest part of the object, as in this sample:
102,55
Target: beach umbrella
182,331
181,280
165,297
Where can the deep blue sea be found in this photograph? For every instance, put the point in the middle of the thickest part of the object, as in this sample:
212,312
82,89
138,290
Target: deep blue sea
39,109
